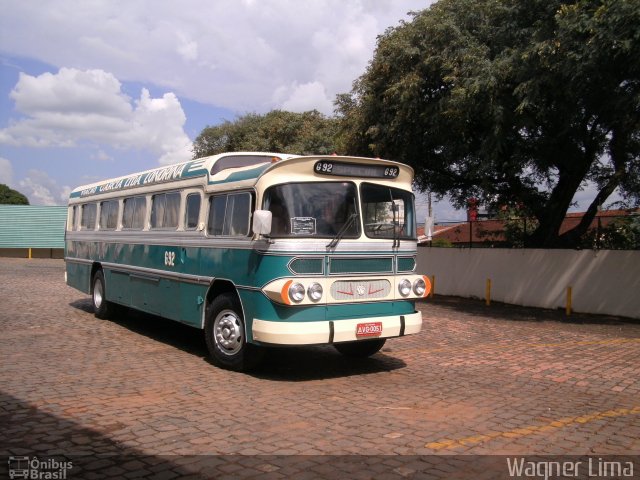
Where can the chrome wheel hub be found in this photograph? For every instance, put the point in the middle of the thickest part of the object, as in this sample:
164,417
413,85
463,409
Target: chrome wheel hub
228,332
98,294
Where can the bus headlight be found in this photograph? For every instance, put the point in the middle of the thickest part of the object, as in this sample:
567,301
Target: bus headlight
296,292
404,287
419,287
315,291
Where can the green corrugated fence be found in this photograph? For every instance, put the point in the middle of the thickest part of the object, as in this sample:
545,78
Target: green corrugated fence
32,226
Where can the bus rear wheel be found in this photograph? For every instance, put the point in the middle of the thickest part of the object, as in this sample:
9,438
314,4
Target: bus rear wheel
226,338
360,349
101,307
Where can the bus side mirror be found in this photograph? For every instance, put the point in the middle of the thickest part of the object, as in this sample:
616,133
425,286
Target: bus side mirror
262,222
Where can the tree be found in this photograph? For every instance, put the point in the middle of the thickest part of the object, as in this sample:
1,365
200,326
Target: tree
277,131
621,234
511,102
9,196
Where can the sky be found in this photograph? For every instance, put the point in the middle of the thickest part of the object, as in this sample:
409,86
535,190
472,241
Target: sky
102,88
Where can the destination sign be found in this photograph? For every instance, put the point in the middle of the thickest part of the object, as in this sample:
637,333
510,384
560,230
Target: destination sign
342,169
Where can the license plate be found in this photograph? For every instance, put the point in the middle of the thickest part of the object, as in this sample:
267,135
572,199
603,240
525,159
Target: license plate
372,329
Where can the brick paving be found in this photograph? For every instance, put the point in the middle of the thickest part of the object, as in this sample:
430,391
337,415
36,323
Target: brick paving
135,397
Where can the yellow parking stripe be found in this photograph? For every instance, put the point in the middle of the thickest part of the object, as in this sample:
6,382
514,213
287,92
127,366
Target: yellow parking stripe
531,429
513,345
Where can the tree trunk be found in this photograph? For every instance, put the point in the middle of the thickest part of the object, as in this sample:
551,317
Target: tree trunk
618,152
547,235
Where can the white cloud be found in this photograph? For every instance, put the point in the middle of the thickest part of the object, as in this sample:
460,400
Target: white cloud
301,98
188,49
226,53
41,189
102,156
75,106
6,172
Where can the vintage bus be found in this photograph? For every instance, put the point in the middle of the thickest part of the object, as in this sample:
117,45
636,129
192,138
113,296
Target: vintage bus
256,249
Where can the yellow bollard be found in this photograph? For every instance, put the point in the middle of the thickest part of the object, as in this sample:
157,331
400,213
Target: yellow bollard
29,253
433,286
569,299
487,292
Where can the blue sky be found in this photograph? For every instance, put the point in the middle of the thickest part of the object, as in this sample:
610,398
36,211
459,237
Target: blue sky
94,90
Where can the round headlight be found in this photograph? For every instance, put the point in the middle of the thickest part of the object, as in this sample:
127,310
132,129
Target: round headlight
404,287
296,292
419,287
315,291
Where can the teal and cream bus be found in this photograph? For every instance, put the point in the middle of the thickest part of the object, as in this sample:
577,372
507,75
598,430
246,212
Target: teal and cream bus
255,249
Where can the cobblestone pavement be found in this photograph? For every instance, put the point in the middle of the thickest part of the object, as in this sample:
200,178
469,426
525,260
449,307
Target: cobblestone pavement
483,380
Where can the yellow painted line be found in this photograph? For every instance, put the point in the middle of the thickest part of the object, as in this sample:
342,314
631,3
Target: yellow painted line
531,429
613,341
500,346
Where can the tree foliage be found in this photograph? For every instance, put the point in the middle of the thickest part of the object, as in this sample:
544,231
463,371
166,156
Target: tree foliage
9,196
277,131
621,234
510,102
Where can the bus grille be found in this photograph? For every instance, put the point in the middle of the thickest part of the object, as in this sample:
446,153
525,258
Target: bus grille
360,290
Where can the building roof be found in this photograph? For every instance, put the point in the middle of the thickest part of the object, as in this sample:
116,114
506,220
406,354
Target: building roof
32,226
492,231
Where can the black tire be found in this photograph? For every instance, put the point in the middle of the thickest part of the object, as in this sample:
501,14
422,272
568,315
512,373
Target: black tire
361,348
101,307
226,338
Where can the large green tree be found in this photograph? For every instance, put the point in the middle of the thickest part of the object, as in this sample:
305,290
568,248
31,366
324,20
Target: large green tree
514,103
9,196
277,131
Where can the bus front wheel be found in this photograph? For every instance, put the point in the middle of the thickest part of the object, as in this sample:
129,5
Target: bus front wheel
226,336
360,349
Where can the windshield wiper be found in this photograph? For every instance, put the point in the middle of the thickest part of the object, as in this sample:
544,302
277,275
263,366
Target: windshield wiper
342,231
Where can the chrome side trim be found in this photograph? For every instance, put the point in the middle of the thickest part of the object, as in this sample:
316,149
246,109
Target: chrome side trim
186,239
80,261
154,272
300,246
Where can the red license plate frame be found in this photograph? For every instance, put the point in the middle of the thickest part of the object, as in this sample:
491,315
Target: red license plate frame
369,329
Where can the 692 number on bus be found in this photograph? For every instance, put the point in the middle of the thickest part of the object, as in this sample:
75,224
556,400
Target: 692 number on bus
170,258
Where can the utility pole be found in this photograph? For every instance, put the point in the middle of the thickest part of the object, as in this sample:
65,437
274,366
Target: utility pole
429,221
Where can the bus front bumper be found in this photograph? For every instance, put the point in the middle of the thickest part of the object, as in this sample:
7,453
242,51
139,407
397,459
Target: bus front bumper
313,333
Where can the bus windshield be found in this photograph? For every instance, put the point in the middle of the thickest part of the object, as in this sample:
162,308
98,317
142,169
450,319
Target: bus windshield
324,209
387,212
313,209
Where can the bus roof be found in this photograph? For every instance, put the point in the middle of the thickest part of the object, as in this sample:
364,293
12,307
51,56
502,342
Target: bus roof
219,169
211,166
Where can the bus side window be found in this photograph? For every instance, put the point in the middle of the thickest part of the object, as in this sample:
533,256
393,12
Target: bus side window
229,215
109,215
139,212
71,221
237,216
88,218
192,211
165,208
217,207
135,209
